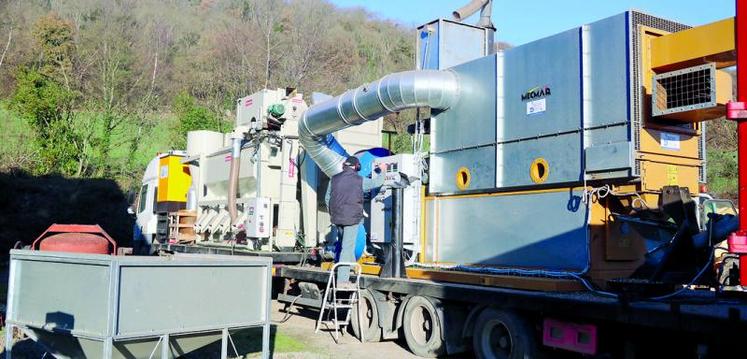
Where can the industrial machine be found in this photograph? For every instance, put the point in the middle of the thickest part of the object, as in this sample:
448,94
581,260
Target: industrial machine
561,199
588,165
249,190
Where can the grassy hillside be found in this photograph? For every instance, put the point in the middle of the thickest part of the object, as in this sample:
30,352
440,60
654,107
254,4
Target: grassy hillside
94,89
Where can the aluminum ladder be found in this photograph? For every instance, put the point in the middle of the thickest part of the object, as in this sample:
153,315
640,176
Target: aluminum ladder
331,303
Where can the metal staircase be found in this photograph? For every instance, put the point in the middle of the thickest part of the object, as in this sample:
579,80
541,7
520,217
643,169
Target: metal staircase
337,300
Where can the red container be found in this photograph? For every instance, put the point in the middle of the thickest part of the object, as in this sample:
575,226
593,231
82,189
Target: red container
76,238
75,242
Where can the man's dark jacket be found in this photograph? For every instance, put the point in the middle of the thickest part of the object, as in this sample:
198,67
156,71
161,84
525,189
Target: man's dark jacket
346,202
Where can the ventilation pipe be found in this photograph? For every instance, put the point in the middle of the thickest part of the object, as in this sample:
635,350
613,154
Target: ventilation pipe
486,12
233,177
438,90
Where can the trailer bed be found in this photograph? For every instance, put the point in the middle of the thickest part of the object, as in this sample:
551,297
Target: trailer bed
691,311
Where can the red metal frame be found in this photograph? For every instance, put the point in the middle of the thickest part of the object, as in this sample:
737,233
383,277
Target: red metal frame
738,111
75,228
741,116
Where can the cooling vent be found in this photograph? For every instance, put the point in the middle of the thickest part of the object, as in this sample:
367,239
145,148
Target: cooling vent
679,95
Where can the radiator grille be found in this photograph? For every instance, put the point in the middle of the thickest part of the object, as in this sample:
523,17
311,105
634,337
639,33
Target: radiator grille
684,90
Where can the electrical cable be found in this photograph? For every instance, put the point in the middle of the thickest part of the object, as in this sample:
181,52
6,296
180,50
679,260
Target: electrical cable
700,273
288,314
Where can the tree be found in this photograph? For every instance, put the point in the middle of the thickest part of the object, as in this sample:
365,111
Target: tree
55,42
48,107
191,117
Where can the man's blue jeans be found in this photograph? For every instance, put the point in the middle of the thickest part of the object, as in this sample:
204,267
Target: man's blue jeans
348,235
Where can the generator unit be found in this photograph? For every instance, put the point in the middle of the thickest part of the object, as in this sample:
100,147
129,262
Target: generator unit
548,158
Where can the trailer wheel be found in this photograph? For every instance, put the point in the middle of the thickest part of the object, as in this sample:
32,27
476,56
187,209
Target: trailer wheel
422,328
370,315
503,335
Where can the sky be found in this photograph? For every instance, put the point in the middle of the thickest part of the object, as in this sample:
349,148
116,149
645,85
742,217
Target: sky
519,22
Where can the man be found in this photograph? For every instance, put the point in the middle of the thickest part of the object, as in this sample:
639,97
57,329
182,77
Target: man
345,203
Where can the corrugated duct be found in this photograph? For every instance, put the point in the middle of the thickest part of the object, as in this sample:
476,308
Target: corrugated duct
436,89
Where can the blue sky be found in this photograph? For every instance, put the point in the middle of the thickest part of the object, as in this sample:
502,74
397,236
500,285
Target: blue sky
522,21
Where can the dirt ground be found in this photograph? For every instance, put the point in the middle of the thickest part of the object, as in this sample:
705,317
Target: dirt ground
300,328
292,339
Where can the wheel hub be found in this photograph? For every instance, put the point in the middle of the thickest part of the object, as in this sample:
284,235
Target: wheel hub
499,339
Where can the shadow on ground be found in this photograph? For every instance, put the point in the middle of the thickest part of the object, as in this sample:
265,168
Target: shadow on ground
29,204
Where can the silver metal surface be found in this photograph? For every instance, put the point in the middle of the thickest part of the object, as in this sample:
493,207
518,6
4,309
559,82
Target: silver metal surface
539,230
553,64
607,157
115,306
480,162
444,43
463,135
562,153
438,90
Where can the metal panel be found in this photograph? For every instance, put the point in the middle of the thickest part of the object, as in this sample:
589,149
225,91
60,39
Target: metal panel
614,156
471,121
47,294
562,153
545,72
479,161
464,135
541,230
444,43
699,45
609,57
180,290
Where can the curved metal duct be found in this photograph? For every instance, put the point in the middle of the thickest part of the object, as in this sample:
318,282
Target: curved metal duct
469,9
392,93
486,10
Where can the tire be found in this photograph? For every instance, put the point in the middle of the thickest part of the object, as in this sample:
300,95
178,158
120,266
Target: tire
370,314
503,335
422,328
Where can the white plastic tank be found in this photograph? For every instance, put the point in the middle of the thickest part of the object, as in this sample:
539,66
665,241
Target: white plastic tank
203,142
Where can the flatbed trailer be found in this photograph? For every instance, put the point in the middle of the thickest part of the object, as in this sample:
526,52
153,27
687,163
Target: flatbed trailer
694,323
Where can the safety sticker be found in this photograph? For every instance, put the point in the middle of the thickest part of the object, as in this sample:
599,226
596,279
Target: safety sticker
670,141
672,177
536,106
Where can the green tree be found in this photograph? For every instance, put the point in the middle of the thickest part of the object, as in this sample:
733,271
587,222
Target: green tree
55,41
191,117
48,107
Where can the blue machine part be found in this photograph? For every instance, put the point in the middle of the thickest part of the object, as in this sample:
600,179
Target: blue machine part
366,157
332,143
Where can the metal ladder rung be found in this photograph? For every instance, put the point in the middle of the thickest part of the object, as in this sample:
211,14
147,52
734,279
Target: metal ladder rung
331,303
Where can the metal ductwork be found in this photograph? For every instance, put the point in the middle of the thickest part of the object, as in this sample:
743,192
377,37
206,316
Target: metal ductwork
485,7
438,90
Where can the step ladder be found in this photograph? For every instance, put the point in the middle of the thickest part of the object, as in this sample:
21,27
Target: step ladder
347,300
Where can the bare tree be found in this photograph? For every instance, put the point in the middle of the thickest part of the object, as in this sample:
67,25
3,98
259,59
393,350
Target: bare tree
7,45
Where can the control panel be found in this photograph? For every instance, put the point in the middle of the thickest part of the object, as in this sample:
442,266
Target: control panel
258,222
382,225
